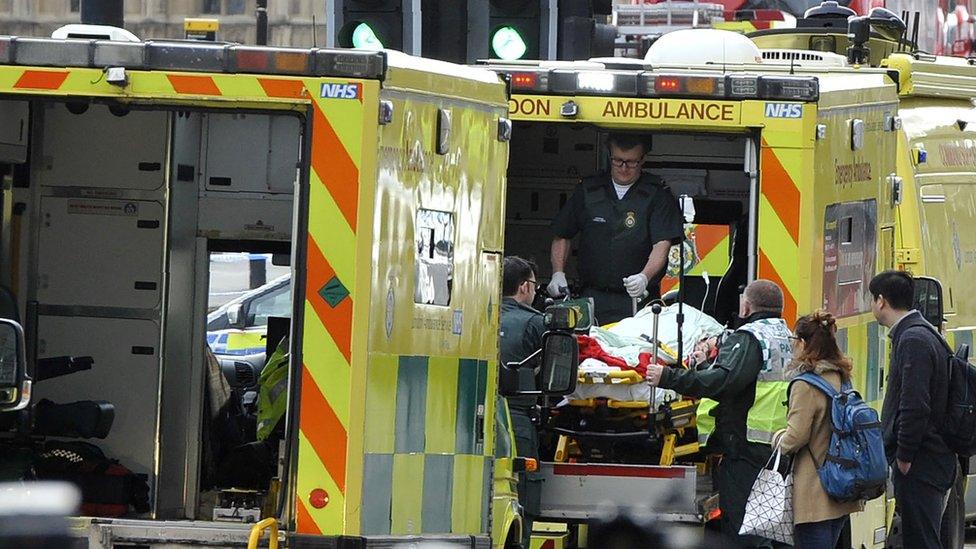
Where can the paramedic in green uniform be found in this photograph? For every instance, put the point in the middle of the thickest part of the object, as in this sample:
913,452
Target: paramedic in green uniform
521,335
627,221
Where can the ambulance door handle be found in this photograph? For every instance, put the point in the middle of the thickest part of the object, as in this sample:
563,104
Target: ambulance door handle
896,189
479,426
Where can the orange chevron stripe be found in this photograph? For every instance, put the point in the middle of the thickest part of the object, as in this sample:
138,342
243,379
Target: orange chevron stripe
338,320
335,167
42,80
707,237
290,89
306,524
767,271
324,431
193,85
780,189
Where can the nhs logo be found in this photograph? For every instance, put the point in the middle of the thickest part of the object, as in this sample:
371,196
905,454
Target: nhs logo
340,91
784,110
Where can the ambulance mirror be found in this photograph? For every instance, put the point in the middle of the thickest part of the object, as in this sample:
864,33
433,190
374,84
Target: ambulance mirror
928,300
560,363
234,314
15,384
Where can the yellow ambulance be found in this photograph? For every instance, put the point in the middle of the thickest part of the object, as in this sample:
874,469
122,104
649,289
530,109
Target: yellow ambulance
378,177
813,159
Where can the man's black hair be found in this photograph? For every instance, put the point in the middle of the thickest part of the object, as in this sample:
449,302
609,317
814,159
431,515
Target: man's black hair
516,271
627,141
897,287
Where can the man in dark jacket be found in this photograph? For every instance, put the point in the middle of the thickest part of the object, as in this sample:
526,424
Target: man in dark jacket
923,467
748,381
521,335
627,221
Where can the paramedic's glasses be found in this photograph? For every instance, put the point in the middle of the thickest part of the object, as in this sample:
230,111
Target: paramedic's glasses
621,163
534,283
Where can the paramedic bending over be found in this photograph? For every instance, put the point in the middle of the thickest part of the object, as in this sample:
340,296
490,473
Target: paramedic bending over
628,220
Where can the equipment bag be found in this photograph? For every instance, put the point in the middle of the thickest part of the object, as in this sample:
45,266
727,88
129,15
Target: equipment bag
108,489
855,467
959,428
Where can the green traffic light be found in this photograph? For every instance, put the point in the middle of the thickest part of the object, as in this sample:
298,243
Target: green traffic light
364,38
508,44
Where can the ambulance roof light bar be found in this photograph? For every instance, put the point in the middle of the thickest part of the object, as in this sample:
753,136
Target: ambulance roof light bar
191,56
653,84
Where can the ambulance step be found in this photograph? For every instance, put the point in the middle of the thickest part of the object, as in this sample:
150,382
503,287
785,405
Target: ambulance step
582,491
109,533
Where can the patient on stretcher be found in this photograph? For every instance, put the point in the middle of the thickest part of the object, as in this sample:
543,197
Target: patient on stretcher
613,359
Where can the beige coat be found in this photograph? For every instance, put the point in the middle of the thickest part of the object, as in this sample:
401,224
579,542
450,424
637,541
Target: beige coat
808,431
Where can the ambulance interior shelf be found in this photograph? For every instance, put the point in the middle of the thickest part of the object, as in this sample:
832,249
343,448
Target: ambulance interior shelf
548,160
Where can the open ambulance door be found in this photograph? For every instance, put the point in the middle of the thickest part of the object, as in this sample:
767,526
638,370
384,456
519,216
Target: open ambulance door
112,217
717,171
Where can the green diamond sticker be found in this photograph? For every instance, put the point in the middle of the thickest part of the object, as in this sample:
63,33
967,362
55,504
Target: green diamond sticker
333,292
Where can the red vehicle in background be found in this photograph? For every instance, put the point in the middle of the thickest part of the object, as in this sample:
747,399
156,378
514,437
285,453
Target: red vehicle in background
945,28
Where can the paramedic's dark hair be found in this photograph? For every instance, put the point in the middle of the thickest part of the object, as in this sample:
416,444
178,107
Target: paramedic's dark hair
765,296
516,271
897,287
628,141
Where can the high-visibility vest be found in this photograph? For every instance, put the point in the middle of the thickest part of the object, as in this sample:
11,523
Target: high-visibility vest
768,412
273,391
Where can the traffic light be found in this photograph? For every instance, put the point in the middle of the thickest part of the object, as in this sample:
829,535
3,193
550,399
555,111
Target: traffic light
583,32
455,30
518,29
373,24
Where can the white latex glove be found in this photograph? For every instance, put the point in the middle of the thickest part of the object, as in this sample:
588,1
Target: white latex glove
558,285
636,285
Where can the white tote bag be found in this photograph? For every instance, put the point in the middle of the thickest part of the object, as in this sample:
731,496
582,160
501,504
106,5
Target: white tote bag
769,509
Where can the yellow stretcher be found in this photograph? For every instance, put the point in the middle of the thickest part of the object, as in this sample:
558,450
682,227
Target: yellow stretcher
670,420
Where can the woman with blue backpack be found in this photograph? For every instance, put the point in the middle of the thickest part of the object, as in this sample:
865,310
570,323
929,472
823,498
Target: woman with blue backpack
820,368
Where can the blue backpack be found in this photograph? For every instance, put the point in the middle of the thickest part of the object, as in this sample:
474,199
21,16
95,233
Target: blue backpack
855,467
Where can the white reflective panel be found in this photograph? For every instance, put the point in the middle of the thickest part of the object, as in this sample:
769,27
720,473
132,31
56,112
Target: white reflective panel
595,81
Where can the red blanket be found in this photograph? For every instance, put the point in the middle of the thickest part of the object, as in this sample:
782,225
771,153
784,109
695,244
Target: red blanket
591,348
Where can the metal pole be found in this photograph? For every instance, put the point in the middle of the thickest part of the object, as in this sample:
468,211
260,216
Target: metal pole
681,286
261,14
477,14
751,172
411,27
548,28
656,311
333,21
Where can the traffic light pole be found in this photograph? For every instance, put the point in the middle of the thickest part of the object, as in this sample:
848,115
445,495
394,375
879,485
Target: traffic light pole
478,31
411,27
331,22
548,28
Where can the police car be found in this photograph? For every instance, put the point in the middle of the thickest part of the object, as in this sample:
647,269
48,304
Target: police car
237,329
